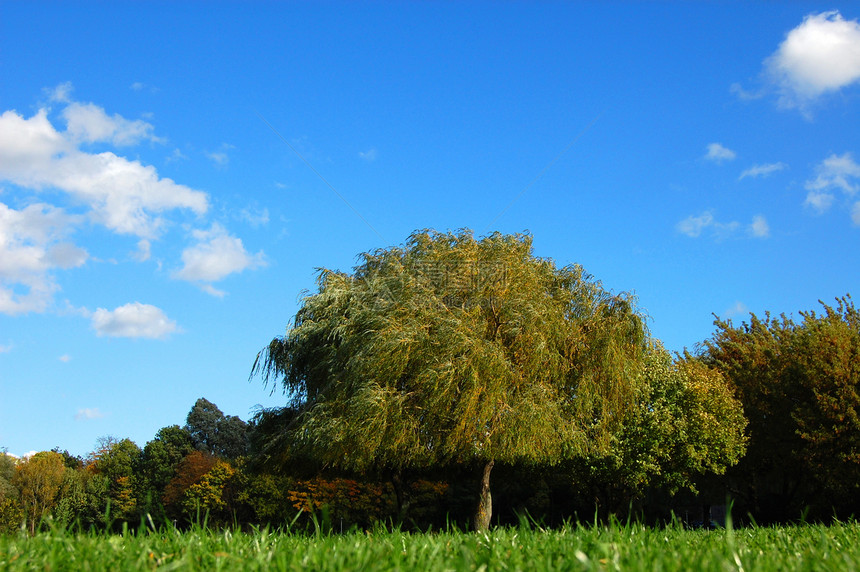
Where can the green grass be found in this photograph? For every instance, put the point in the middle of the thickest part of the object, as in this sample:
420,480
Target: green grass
633,547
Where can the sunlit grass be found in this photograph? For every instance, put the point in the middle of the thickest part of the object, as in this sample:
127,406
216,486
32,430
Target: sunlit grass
618,547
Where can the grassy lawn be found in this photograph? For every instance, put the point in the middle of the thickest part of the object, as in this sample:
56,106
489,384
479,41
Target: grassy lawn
807,547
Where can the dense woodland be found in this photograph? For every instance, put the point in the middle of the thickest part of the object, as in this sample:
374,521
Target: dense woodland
456,380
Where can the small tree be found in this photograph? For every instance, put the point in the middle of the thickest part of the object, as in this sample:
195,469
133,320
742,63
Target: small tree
38,480
684,422
456,350
188,473
208,495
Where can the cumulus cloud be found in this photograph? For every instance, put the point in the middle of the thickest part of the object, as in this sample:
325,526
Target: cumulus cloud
88,123
65,358
717,153
820,55
764,170
124,196
51,154
31,246
134,320
696,226
837,173
216,255
88,413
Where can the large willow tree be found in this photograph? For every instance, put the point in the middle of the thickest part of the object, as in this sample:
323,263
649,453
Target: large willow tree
453,350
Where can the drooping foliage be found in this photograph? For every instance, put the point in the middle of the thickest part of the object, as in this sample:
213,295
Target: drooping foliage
451,349
798,382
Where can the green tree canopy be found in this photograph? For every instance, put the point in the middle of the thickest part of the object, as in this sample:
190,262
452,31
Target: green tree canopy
119,461
215,433
38,480
684,422
798,382
451,349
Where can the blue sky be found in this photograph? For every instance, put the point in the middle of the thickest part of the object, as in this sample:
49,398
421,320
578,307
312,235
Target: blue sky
156,230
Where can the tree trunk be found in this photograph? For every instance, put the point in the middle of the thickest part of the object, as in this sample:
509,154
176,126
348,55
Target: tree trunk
401,494
484,512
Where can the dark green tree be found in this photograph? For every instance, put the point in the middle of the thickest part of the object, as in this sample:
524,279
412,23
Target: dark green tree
118,460
452,350
215,433
159,461
798,382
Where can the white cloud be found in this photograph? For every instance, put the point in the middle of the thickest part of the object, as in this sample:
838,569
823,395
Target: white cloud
818,201
65,358
759,227
66,255
764,170
835,173
820,55
5,349
88,413
718,153
30,248
124,196
61,93
213,291
695,226
369,155
88,123
215,256
133,320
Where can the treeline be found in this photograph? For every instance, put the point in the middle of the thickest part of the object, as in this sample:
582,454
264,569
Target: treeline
772,404
203,471
766,413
